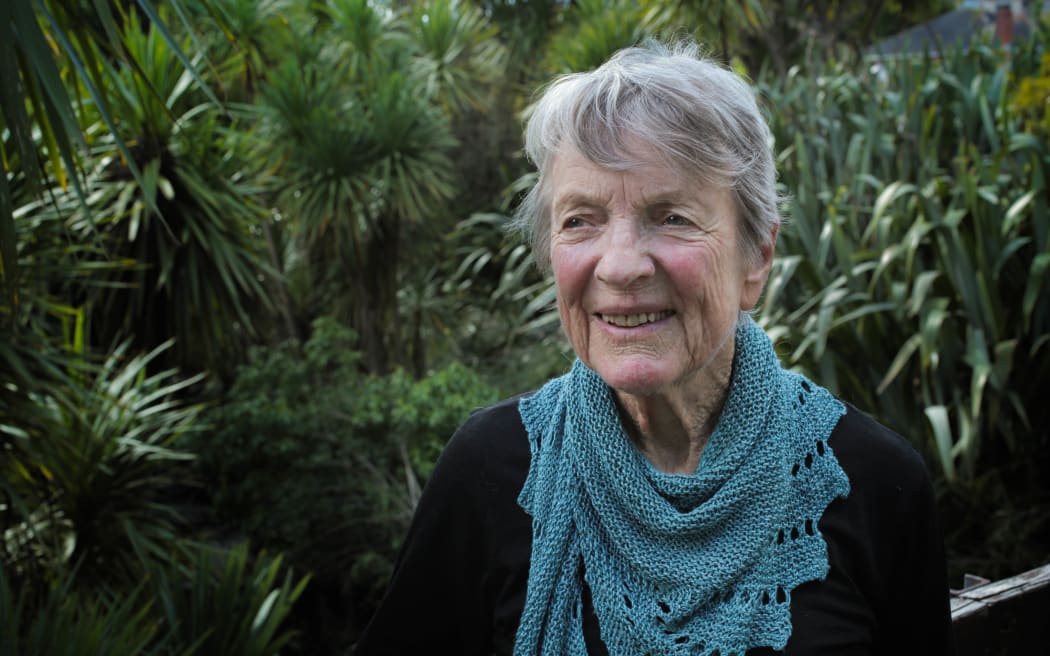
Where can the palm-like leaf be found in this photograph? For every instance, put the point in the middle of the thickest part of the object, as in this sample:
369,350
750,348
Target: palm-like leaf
255,34
414,172
506,317
890,241
58,56
461,54
723,23
210,602
371,37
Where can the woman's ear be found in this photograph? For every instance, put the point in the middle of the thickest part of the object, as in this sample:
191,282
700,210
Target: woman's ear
755,278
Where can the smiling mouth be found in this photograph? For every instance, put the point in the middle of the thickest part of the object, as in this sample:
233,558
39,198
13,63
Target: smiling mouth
632,320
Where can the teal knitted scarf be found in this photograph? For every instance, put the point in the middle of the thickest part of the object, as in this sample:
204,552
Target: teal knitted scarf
677,564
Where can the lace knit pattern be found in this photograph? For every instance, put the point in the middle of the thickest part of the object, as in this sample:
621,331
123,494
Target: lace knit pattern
700,564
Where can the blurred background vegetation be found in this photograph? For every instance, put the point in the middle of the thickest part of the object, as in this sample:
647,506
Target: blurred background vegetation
254,271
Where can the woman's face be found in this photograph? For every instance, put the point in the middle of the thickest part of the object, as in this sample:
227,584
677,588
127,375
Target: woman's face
649,271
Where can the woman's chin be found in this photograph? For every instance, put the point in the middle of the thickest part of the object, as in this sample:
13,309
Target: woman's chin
638,376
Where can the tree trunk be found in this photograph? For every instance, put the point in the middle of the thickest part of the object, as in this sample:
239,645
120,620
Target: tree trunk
284,301
375,307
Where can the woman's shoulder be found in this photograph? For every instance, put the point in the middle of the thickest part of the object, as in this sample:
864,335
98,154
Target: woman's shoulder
875,454
501,416
891,503
490,445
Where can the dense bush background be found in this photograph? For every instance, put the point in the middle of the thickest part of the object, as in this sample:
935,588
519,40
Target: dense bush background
913,277
254,271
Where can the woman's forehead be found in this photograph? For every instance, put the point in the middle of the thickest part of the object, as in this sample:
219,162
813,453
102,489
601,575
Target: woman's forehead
630,152
648,178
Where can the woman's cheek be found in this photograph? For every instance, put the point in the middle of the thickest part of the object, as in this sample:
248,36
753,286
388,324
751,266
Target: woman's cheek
570,279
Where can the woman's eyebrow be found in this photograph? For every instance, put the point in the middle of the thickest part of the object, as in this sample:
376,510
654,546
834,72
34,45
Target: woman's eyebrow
575,199
677,198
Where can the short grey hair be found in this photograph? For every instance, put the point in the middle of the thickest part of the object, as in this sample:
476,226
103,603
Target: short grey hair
698,114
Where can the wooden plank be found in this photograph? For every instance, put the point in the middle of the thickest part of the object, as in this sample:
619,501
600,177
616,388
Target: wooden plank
1009,616
972,600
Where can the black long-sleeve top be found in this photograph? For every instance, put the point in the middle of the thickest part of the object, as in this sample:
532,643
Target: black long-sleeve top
459,583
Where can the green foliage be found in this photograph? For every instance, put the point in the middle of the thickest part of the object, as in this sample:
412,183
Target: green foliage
593,30
918,237
207,601
253,33
364,162
460,50
42,334
87,469
1030,79
360,111
40,40
168,232
723,26
92,533
510,325
314,458
227,602
92,482
196,249
63,621
781,34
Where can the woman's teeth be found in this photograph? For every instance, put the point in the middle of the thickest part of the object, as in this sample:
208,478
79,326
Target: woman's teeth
632,320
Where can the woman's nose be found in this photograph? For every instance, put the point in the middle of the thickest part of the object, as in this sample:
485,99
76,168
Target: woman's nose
625,258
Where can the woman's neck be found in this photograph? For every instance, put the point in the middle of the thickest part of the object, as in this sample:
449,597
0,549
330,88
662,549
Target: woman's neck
671,429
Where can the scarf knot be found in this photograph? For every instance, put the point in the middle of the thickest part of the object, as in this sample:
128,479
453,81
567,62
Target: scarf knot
677,564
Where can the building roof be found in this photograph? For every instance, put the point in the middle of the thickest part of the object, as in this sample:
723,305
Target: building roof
954,29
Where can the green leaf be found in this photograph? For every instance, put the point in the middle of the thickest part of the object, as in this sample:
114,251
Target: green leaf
8,249
903,355
942,434
1037,277
61,106
1016,211
161,26
262,617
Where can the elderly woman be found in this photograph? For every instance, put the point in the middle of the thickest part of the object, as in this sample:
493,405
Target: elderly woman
677,491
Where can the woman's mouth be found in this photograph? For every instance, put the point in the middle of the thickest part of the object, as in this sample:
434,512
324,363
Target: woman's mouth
632,320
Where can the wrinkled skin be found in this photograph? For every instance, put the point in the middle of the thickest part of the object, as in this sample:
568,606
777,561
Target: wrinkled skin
651,278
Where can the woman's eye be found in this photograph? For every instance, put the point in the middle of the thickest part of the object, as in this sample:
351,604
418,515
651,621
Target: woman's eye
675,219
573,222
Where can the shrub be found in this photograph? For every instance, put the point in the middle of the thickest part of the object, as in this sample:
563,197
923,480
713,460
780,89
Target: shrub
313,458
